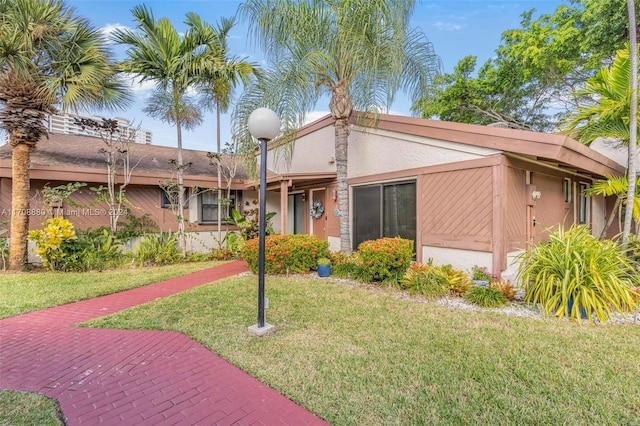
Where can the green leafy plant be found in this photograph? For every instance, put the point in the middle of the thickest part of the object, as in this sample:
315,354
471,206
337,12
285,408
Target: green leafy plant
52,239
386,258
487,297
136,226
425,280
287,253
92,250
247,221
323,261
574,265
346,266
158,249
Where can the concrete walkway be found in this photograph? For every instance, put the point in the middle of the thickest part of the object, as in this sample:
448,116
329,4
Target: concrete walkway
123,377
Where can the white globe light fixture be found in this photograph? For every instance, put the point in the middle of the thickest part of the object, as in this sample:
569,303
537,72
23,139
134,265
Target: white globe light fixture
263,125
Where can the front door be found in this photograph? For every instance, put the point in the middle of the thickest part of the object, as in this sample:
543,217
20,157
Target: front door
319,225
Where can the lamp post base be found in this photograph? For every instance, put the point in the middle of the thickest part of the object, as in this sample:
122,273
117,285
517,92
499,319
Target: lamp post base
262,331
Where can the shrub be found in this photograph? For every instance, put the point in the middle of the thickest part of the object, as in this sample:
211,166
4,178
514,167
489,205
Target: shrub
427,280
459,282
158,249
344,266
50,241
596,275
136,226
285,254
92,250
481,273
506,288
221,254
487,297
386,258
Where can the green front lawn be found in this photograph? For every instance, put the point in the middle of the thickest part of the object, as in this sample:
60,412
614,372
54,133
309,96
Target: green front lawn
28,409
26,292
360,355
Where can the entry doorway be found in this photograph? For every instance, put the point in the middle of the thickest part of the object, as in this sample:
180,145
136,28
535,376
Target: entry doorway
296,209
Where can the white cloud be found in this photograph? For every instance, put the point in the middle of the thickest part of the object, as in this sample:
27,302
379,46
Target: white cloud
110,29
314,115
138,86
448,26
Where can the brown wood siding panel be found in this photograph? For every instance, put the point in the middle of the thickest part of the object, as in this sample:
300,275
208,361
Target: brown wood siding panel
516,216
457,209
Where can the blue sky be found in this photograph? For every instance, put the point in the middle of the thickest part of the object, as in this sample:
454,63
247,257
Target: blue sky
456,28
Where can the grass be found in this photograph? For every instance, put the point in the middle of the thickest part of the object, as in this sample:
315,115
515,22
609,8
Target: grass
25,409
354,355
27,292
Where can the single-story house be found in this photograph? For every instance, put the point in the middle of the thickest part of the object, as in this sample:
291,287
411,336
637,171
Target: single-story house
466,194
63,159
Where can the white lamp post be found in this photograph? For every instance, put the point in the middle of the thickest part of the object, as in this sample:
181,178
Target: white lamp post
264,125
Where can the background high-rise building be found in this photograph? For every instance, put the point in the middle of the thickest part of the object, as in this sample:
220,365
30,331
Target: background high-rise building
65,123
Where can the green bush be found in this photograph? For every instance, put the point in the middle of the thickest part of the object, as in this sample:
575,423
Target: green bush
92,250
286,253
158,249
426,280
345,266
573,264
386,258
487,297
136,226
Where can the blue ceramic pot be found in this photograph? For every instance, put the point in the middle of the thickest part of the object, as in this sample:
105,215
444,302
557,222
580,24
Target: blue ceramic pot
324,270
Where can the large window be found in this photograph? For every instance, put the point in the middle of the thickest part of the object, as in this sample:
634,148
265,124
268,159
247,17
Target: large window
208,202
384,210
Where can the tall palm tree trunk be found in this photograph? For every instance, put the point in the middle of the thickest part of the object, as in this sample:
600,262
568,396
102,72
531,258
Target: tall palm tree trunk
341,107
633,122
219,175
20,186
180,176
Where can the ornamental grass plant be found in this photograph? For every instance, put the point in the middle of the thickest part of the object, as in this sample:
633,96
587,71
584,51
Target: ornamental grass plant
576,269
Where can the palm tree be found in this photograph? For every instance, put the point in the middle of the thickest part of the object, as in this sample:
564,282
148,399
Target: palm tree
49,58
217,90
609,116
633,115
617,186
157,52
359,53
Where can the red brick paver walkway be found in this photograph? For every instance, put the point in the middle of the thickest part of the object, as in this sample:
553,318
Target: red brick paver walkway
123,377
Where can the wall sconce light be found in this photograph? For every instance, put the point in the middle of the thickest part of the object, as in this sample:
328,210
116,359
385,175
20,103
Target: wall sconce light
304,197
334,194
535,195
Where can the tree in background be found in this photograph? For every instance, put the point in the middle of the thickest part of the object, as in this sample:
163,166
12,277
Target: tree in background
157,52
117,147
359,53
49,58
537,68
217,93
